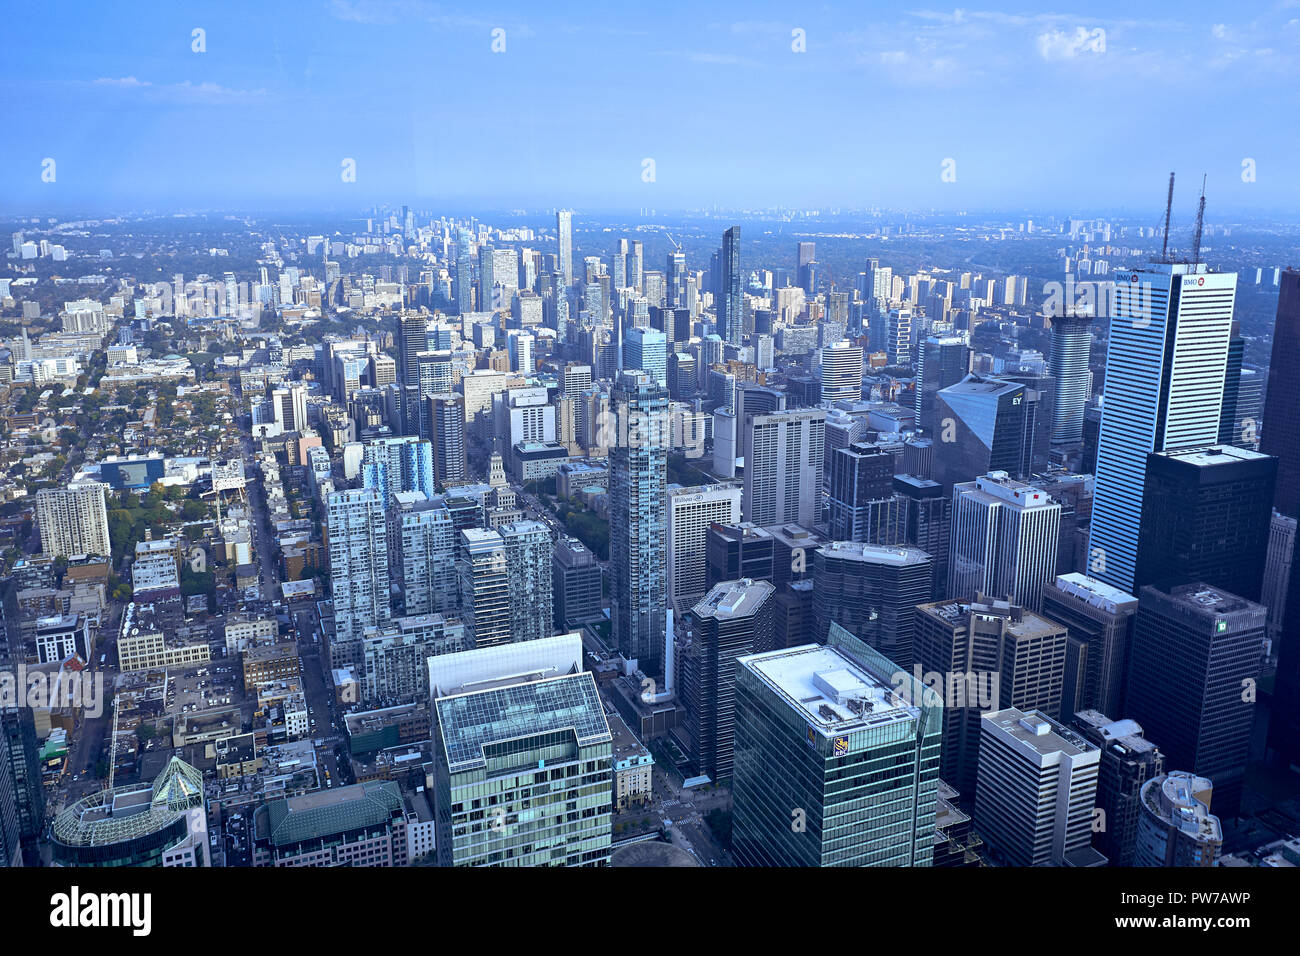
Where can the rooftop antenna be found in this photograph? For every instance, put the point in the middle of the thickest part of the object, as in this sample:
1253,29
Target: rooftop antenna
1169,205
1200,221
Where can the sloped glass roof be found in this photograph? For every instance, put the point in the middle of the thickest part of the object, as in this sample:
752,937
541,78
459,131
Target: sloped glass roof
468,722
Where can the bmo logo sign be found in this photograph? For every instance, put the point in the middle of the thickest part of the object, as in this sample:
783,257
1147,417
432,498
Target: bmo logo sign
1193,282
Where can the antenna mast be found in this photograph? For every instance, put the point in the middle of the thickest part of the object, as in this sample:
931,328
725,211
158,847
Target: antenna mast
1169,205
1200,221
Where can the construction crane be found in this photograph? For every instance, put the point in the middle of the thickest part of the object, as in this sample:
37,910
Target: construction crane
1200,222
1169,206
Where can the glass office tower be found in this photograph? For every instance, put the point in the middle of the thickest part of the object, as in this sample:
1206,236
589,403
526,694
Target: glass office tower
836,758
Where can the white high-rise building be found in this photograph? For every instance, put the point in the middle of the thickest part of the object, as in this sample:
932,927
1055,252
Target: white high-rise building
74,520
690,512
1165,367
841,372
1003,541
290,407
564,229
784,457
358,550
1035,791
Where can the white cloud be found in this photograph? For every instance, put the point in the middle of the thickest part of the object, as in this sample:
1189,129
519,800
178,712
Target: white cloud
1059,45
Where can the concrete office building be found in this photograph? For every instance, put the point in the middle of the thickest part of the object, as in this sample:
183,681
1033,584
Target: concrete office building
784,457
575,584
1100,620
1128,762
841,372
1175,825
988,655
691,511
1037,789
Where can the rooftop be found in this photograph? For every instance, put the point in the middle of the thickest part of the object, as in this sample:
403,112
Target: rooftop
831,691
1037,732
470,722
733,599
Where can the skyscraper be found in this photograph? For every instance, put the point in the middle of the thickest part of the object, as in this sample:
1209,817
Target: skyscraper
731,293
74,520
1206,514
983,423
691,511
1037,789
503,718
564,230
941,361
873,592
1100,619
1165,367
528,552
464,272
898,342
1281,432
817,729
413,339
428,555
1003,541
862,504
575,584
446,414
734,619
1128,762
987,655
1197,650
1071,342
784,455
638,532
675,279
646,350
484,575
358,550
841,372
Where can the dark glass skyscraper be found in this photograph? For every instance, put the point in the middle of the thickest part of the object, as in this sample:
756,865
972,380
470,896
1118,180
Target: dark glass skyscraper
638,519
1071,344
1281,438
1206,514
1196,650
1281,432
873,592
731,304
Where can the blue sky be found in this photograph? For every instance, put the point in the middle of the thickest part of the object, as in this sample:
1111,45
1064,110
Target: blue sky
1088,108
